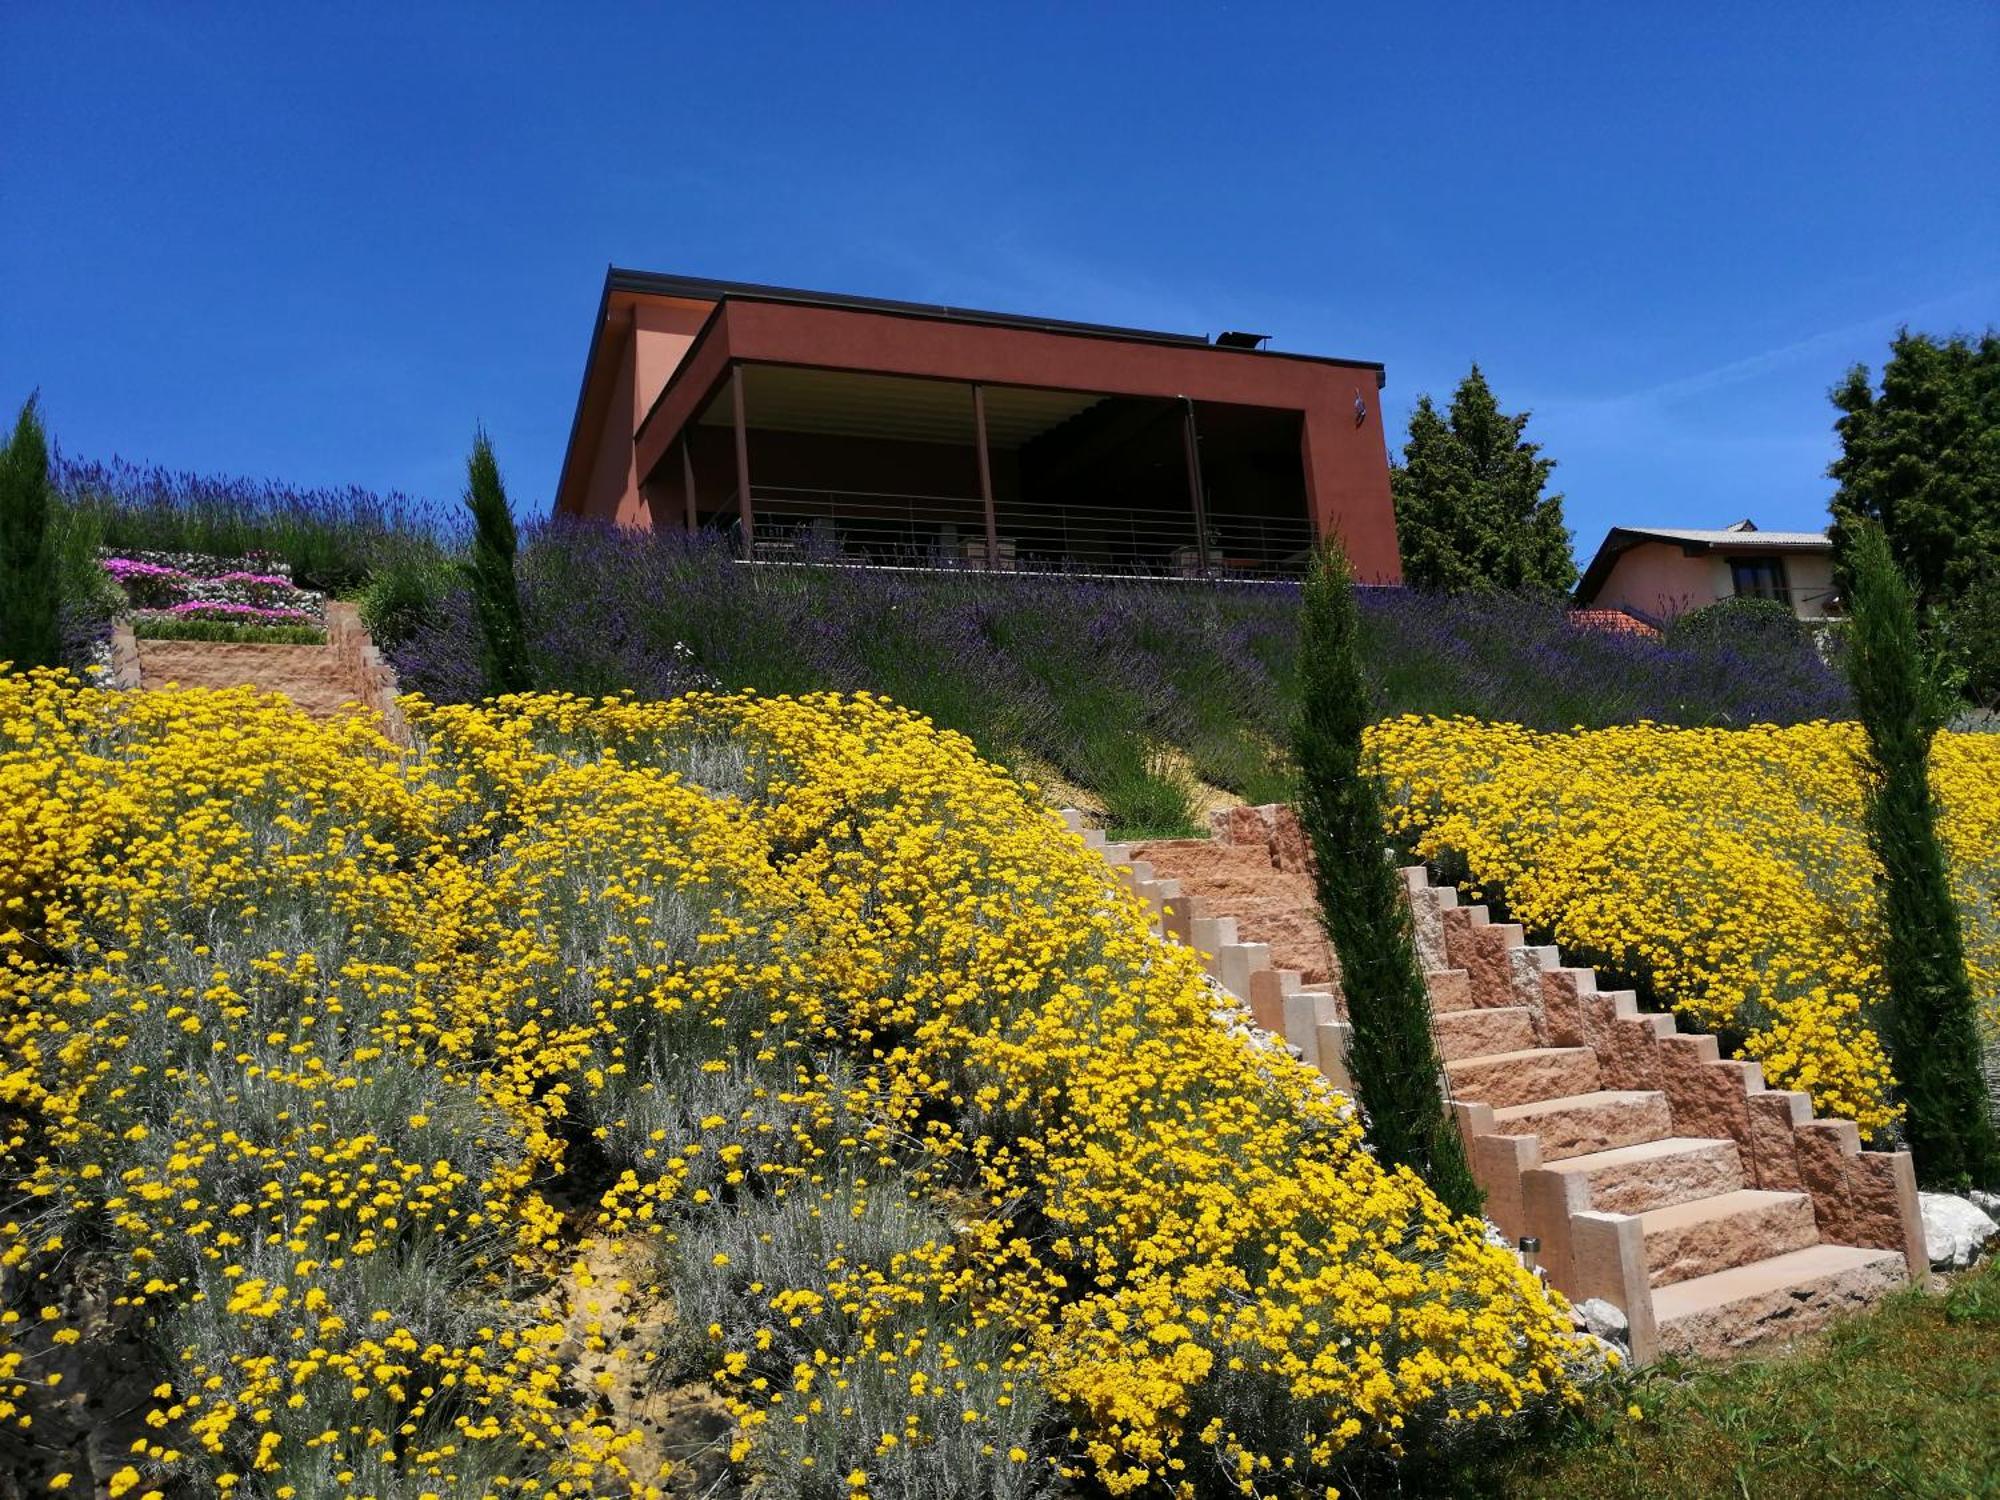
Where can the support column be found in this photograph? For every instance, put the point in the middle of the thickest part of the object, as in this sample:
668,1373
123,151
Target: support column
1194,488
985,476
687,476
743,507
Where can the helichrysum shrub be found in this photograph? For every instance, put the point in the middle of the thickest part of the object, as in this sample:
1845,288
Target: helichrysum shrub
356,1097
1729,868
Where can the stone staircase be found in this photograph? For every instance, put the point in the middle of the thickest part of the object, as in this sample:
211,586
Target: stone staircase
322,680
1714,1213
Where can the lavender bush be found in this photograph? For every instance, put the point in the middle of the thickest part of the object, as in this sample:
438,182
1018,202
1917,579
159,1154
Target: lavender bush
1129,688
331,540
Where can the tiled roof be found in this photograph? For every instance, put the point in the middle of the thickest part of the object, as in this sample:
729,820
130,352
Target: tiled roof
1615,621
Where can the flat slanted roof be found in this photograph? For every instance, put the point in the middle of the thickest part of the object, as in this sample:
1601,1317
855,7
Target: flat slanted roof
1695,541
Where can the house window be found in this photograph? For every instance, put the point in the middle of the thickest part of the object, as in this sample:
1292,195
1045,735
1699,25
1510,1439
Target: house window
1758,577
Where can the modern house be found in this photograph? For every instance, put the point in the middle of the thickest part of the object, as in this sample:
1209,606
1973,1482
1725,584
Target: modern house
812,426
1655,573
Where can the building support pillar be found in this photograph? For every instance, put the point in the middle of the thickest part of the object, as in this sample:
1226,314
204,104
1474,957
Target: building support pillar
985,476
687,476
1192,442
745,512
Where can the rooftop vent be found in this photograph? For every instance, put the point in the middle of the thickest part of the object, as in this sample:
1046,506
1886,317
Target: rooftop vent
1235,340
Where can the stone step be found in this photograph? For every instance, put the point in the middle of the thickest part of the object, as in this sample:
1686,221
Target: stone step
1768,1300
1450,990
1580,1124
1481,1033
1504,1078
1707,1235
1655,1174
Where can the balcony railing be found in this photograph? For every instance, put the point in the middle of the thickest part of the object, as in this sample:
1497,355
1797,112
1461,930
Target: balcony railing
863,527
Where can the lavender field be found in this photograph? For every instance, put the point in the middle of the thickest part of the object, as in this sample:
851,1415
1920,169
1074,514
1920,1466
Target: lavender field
1137,695
1132,691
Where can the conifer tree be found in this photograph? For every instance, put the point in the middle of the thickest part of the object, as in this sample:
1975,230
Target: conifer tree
1470,512
1393,1056
1928,1022
495,594
30,625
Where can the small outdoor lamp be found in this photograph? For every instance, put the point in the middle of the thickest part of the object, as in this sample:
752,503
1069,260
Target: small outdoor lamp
1531,1254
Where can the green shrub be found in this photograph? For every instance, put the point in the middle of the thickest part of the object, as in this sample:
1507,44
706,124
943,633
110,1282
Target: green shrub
1730,621
1971,628
161,628
1393,1055
30,625
406,595
495,594
1929,1021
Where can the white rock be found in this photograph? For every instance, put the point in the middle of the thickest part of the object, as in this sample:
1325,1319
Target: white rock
1955,1230
1603,1321
1987,1203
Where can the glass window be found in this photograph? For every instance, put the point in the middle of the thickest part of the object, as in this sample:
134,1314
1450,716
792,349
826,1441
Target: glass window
1758,577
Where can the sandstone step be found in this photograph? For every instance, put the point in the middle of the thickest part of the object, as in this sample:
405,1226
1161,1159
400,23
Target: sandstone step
1655,1174
1580,1124
1450,990
1481,1033
1504,1078
1707,1235
1777,1298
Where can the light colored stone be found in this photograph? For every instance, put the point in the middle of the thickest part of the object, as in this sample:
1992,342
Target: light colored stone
1579,1124
1780,1298
1956,1230
1707,1235
1604,1322
1521,1077
1656,1174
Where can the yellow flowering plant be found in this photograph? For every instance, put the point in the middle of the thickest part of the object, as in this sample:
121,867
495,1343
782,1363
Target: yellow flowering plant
1728,870
409,1120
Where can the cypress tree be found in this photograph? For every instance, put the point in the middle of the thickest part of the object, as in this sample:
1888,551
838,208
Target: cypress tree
1928,1023
30,626
503,635
1393,1058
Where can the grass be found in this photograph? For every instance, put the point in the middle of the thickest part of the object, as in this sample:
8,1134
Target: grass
1900,1401
227,630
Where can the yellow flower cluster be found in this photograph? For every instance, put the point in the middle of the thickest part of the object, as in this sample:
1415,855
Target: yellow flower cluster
1728,868
414,1115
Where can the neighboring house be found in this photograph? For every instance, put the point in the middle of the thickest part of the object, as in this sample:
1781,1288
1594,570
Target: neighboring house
810,425
1655,573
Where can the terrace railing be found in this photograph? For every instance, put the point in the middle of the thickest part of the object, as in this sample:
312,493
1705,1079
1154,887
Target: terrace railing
868,527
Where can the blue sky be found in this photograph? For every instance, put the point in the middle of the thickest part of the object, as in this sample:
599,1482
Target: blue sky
321,243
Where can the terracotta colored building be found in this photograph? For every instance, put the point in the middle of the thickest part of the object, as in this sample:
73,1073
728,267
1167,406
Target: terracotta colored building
1654,574
817,426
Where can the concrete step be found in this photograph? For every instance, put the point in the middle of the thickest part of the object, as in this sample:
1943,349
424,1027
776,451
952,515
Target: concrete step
1521,1077
1580,1124
1707,1235
1774,1299
1655,1174
1481,1033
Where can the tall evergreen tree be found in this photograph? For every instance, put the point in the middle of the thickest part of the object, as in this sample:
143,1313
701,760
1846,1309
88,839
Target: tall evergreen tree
1921,459
30,625
1470,512
1393,1057
495,594
1929,1022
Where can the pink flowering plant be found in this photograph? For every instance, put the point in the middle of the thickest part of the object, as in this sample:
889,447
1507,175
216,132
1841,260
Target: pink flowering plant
247,590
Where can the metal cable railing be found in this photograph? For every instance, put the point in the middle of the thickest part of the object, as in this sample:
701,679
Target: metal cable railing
879,527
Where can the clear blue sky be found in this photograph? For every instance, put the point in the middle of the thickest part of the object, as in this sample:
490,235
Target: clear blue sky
322,242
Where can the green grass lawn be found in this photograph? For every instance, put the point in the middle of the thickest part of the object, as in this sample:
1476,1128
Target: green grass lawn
1904,1401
